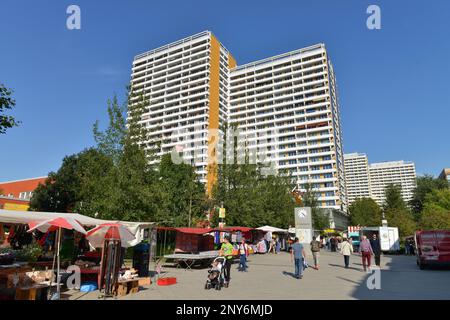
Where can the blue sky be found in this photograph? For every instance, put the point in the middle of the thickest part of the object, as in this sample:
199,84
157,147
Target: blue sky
393,83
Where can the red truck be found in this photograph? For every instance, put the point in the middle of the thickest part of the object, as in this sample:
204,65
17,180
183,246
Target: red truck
433,248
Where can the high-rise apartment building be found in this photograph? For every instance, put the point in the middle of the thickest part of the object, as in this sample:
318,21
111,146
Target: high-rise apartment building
186,83
356,176
402,173
286,107
364,180
445,175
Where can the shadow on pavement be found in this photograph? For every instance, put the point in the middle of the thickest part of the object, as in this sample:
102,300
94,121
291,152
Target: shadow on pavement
401,278
343,267
291,274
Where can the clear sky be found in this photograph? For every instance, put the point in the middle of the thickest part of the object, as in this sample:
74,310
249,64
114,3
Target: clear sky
394,83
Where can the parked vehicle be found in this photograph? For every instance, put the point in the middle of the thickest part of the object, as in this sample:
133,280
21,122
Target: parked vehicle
388,236
353,232
433,248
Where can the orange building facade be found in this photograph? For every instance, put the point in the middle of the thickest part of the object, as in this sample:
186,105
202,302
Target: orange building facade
16,195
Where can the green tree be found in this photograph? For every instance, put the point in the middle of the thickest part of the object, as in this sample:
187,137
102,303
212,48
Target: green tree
250,197
320,218
6,103
65,189
425,185
365,212
436,210
396,211
184,195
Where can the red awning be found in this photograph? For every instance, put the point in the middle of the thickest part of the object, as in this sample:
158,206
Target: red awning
188,230
233,229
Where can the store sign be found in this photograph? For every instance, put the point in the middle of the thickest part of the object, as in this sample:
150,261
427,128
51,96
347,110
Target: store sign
16,207
222,213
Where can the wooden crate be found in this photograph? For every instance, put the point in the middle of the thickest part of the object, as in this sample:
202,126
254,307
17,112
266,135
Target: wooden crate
121,289
38,292
145,281
126,287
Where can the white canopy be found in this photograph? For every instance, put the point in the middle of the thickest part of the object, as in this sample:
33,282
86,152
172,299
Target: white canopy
25,217
272,229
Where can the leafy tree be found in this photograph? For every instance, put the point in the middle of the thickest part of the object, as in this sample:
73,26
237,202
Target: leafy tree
425,185
112,140
184,195
65,189
396,211
249,197
6,103
365,212
320,219
436,212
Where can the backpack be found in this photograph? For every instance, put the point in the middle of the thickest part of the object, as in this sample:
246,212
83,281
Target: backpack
315,246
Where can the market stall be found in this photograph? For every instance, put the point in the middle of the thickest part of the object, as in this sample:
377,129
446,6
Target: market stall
274,237
28,242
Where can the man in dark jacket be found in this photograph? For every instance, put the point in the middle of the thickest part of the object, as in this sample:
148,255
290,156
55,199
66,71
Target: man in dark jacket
376,247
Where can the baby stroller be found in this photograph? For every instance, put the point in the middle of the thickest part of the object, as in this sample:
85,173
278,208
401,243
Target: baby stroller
215,274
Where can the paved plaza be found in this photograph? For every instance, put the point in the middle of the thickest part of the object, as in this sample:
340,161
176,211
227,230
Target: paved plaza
270,277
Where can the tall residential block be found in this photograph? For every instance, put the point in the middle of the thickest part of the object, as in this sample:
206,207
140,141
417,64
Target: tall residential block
286,107
356,176
402,173
445,175
186,83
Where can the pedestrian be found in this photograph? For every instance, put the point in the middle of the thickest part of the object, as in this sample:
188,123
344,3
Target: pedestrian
226,251
346,250
366,252
328,244
333,244
376,248
243,254
297,256
315,249
278,246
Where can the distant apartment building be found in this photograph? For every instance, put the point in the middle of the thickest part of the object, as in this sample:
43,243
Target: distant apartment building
16,195
370,180
357,176
445,175
285,107
402,173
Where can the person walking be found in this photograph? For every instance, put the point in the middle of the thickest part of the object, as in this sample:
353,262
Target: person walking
366,252
376,248
346,250
227,251
298,256
243,254
315,249
333,244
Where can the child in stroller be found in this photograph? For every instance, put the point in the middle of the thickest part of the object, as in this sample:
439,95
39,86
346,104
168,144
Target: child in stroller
215,274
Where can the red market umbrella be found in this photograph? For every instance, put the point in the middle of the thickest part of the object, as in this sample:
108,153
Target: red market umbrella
57,224
109,231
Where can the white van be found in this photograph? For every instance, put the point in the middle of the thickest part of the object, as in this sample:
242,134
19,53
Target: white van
388,236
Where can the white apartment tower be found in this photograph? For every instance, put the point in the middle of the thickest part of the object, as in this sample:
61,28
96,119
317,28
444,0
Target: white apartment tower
186,83
402,173
356,176
285,106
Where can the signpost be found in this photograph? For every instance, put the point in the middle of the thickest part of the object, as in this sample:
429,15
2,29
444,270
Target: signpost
303,224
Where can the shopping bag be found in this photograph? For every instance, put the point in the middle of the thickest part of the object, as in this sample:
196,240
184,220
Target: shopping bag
305,264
